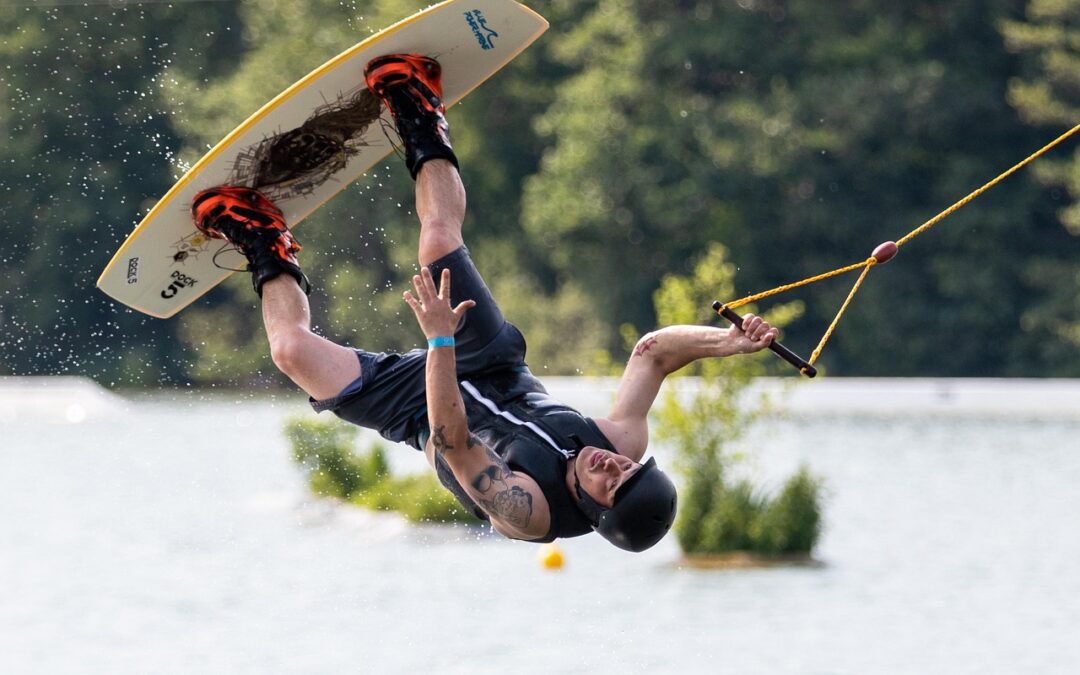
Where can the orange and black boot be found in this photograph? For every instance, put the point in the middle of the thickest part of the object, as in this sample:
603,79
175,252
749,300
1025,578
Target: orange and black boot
411,87
250,222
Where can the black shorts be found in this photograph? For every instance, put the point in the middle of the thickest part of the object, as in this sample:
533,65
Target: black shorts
390,394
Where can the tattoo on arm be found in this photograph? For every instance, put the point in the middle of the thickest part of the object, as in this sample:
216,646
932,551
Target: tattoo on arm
644,346
506,502
438,439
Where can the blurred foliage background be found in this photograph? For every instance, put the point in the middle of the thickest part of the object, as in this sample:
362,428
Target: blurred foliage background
615,151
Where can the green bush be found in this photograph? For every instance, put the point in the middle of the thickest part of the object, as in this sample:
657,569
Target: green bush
420,498
714,515
791,523
719,518
325,449
731,523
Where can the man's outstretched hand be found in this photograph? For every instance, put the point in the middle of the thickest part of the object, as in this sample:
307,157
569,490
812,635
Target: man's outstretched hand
432,308
756,334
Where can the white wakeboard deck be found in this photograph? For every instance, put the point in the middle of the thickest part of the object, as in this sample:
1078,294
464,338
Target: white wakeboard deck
306,145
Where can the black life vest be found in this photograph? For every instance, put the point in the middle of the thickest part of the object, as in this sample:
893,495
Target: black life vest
536,435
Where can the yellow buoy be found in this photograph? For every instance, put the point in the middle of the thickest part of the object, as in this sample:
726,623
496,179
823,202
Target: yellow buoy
551,557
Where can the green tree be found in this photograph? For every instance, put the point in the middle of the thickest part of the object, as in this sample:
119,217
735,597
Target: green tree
1047,95
85,154
609,154
802,135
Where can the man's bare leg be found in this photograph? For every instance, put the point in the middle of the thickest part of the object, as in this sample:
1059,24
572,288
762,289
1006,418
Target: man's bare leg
318,366
256,227
440,205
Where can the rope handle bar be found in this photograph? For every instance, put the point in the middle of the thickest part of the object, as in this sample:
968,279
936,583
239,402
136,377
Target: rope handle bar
804,366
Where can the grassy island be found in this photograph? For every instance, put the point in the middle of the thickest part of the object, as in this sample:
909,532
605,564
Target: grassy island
326,449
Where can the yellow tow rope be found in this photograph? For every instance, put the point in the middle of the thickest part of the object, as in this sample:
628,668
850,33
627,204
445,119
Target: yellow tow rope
883,253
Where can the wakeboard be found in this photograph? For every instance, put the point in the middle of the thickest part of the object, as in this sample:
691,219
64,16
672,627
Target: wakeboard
306,145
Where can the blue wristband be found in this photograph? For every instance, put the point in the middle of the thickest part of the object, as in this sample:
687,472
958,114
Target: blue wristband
440,341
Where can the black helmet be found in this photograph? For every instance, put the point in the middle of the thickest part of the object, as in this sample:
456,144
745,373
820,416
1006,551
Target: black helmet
643,511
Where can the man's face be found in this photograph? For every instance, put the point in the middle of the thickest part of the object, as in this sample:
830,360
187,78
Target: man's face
601,472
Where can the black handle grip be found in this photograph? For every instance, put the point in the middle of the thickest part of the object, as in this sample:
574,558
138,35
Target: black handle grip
780,350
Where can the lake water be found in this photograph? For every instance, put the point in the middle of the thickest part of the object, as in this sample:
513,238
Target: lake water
172,534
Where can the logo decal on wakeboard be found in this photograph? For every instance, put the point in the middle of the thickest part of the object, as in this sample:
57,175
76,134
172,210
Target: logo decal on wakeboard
484,35
133,270
190,247
180,282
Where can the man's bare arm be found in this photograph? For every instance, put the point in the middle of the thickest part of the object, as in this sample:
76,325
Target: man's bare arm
514,502
499,493
661,353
